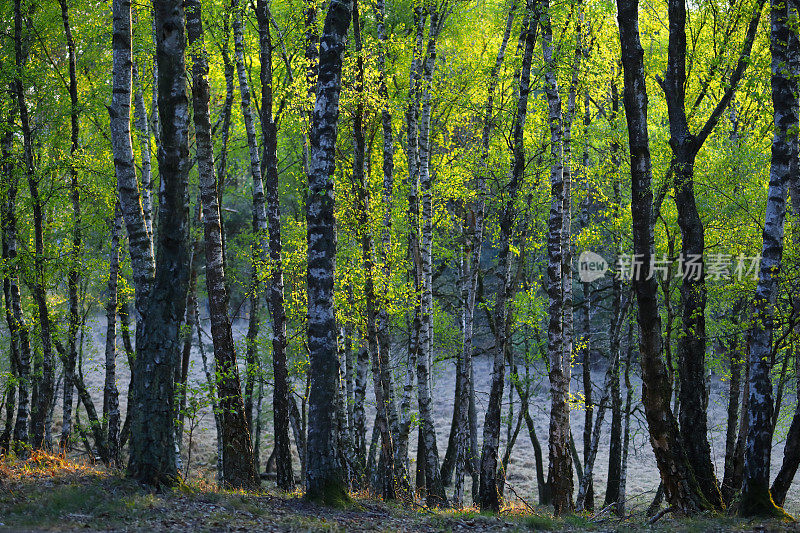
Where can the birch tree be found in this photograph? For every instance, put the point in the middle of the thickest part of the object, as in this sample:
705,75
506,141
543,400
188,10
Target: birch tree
73,276
685,146
237,452
434,488
269,166
324,481
679,485
472,257
756,498
45,382
152,438
489,494
560,470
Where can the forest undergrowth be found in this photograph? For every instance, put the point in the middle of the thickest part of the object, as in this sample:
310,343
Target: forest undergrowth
49,493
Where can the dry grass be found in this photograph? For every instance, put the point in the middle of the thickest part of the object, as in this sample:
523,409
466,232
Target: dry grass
43,465
50,493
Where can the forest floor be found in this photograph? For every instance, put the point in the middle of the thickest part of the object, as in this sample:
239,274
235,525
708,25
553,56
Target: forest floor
642,479
47,493
67,494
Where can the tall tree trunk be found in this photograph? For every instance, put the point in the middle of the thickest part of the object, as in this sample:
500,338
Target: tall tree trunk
679,483
111,411
393,481
40,428
17,325
324,478
734,390
73,277
785,47
140,243
10,279
566,235
693,393
152,428
412,155
139,239
615,484
560,470
488,494
383,321
433,482
259,257
474,222
283,456
237,459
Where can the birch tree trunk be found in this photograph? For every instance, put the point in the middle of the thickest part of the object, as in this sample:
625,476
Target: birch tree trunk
40,427
237,452
615,482
395,483
383,321
566,235
412,156
566,247
679,483
488,493
73,276
685,146
6,183
324,476
473,248
259,211
140,241
560,469
111,411
143,133
17,326
259,257
785,47
434,489
152,428
283,456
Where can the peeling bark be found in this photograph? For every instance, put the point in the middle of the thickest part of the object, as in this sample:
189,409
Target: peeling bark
324,481
153,460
